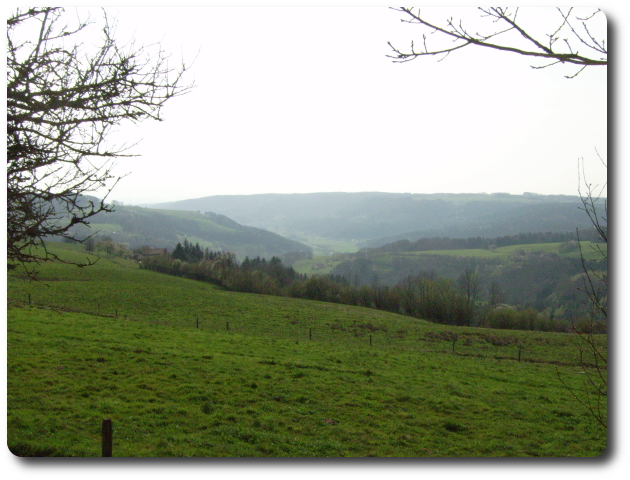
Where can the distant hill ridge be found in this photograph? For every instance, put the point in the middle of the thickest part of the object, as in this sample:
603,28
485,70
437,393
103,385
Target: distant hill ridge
138,226
376,218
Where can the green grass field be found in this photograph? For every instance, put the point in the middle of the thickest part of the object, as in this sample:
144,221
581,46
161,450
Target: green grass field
272,376
319,265
502,254
106,228
328,246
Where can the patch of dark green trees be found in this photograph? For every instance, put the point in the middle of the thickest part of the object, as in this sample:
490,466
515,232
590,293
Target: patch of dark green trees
475,297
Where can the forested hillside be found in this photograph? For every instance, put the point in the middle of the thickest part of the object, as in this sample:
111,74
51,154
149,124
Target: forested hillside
374,218
137,226
544,271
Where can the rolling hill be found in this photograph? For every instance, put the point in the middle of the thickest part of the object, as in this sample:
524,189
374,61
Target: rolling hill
375,218
138,226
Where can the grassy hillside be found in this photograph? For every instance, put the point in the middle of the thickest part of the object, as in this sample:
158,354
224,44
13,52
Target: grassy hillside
272,376
138,226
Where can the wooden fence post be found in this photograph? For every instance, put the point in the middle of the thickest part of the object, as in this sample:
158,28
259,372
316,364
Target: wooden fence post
227,326
107,432
310,333
197,322
370,340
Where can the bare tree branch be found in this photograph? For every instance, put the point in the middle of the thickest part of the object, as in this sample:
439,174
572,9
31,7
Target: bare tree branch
504,21
63,101
594,391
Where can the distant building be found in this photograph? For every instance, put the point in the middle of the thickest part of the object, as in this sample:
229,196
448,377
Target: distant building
147,251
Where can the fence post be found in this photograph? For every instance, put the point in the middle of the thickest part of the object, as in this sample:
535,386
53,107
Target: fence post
29,299
370,339
227,326
107,432
197,322
519,354
310,333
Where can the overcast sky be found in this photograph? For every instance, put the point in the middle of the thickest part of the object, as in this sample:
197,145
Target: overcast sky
294,100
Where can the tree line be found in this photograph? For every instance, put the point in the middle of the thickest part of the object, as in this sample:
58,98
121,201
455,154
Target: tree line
464,301
444,243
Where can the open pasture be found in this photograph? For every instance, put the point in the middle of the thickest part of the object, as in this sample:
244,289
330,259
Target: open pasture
186,369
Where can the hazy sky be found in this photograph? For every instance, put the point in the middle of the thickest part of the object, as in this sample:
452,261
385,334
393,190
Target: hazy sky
305,100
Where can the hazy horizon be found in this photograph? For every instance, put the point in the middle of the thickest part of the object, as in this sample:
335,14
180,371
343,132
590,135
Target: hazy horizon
279,107
148,204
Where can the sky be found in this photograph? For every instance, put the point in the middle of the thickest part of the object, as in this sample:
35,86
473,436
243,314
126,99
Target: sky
300,99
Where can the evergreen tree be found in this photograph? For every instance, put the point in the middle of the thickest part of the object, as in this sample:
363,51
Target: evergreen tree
178,253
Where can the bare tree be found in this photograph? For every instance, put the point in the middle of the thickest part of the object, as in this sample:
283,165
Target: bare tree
495,295
570,41
595,280
592,348
64,98
469,283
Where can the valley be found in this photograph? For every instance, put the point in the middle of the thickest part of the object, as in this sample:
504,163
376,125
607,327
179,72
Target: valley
372,219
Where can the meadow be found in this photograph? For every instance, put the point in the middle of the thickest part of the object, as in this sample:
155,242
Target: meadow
318,265
323,246
184,368
590,251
